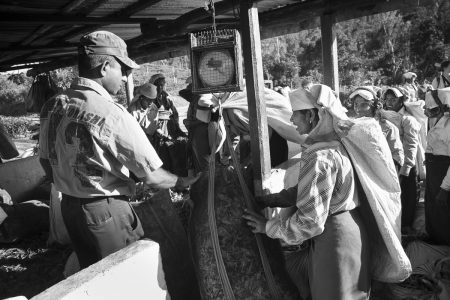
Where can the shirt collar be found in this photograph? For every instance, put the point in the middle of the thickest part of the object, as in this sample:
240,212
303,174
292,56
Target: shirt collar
91,84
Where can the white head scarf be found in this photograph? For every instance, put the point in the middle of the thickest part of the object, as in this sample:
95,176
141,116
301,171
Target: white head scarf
333,121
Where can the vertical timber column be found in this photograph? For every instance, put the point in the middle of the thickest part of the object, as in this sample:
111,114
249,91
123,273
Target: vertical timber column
259,132
129,87
329,52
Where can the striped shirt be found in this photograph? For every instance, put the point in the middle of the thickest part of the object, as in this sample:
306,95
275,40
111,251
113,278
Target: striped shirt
326,186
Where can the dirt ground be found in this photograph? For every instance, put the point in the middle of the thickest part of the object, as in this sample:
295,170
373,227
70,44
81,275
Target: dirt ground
29,267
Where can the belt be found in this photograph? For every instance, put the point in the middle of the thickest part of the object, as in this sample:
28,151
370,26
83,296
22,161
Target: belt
94,199
295,248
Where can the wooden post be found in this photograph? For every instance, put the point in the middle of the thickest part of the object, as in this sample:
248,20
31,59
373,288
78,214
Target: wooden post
259,132
129,87
329,52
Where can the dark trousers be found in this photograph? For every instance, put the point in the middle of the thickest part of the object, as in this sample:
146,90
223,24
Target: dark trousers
409,197
337,263
437,216
99,226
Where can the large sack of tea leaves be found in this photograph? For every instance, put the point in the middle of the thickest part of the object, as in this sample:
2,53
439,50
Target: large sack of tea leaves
162,224
237,243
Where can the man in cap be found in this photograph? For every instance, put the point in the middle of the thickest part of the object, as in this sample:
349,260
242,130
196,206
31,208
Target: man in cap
144,110
409,129
89,146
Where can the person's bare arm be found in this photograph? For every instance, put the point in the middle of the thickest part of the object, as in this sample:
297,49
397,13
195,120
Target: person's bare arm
163,179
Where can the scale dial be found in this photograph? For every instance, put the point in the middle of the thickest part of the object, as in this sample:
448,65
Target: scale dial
216,68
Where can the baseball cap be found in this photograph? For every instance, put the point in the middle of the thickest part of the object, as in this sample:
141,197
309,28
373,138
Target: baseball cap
156,77
148,90
106,43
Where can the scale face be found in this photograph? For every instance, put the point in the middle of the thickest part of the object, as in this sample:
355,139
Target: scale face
216,68
216,63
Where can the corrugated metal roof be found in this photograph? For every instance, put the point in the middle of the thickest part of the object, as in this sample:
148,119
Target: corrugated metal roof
36,30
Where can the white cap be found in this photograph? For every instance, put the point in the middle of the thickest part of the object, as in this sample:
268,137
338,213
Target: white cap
363,93
396,92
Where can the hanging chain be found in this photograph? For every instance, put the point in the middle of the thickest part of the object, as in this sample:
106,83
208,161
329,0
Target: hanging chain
213,12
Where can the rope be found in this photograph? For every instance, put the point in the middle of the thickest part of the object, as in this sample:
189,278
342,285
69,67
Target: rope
213,12
228,291
248,201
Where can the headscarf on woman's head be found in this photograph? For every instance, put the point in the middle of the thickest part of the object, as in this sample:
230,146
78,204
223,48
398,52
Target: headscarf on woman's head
333,121
397,92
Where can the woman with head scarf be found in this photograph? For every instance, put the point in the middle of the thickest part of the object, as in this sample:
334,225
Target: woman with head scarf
437,204
443,80
409,129
323,227
410,84
366,104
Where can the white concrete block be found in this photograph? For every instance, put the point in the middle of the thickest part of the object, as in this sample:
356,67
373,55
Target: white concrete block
134,272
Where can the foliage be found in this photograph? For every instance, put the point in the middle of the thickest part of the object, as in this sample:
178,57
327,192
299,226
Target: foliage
18,126
12,95
375,49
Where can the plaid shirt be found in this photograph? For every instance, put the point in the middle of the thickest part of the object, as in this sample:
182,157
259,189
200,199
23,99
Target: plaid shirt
326,186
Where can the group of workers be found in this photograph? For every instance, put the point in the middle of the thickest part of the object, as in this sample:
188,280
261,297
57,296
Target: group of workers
90,146
326,217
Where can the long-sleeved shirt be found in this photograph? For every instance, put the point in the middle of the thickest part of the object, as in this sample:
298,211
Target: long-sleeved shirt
393,139
438,143
409,129
326,186
146,117
440,82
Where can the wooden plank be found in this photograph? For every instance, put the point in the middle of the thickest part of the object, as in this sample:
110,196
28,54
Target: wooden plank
129,86
303,16
259,132
61,47
71,20
329,52
126,12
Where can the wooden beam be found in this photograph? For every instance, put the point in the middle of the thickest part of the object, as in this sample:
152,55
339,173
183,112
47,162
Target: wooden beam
19,67
125,12
306,15
62,47
329,52
145,55
181,24
129,87
56,64
259,132
68,20
44,28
